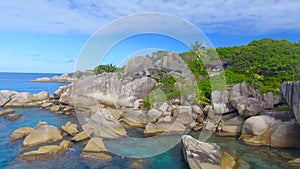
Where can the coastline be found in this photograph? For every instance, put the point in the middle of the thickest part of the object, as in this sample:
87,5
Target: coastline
155,120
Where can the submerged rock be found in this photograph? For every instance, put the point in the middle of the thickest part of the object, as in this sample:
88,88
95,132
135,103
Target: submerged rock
295,162
13,116
6,112
96,149
208,155
21,133
46,152
43,133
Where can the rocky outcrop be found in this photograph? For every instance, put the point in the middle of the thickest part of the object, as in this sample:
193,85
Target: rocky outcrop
65,78
43,133
104,125
41,96
135,118
42,79
103,88
107,89
244,99
138,64
184,115
70,128
154,115
81,136
6,96
291,93
257,130
96,149
21,133
13,117
286,135
173,63
295,162
270,99
165,127
46,152
6,112
275,129
220,101
205,155
231,127
21,99
247,107
137,89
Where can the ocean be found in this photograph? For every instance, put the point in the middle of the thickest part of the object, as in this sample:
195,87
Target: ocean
20,82
255,157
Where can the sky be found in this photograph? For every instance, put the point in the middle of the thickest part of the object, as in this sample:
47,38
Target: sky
50,35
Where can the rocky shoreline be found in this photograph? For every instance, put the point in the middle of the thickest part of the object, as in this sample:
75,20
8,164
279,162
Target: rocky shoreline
112,102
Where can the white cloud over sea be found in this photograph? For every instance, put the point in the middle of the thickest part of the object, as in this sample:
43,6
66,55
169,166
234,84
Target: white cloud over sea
87,16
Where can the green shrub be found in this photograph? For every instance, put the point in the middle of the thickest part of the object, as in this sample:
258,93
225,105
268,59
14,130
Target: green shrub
105,68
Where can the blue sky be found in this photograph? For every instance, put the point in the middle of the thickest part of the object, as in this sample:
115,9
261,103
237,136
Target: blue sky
48,35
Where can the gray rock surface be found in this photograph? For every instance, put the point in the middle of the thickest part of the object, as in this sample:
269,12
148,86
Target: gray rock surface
43,133
138,64
200,155
291,93
137,89
6,96
247,107
286,135
104,125
220,102
173,62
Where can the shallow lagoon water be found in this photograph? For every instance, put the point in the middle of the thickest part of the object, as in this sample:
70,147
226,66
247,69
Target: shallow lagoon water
256,157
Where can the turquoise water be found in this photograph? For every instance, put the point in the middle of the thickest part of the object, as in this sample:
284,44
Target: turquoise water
10,150
259,157
20,82
256,157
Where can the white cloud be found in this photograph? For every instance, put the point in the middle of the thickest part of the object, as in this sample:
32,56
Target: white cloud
86,16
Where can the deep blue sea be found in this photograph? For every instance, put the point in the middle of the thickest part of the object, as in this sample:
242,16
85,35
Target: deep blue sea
20,82
256,157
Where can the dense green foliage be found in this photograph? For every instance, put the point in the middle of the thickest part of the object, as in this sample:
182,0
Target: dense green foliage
227,52
264,64
105,68
267,63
